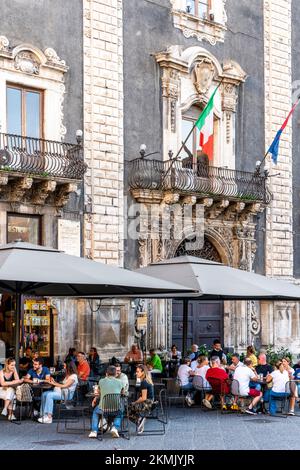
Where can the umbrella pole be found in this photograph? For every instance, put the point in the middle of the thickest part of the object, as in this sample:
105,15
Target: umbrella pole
18,326
185,326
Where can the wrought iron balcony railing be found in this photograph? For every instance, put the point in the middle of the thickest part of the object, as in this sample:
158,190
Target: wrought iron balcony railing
200,179
41,157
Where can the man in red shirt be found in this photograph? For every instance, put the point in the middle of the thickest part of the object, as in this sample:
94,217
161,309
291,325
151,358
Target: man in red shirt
217,378
83,367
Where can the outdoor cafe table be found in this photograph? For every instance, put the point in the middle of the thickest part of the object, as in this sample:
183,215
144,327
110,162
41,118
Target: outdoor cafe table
38,389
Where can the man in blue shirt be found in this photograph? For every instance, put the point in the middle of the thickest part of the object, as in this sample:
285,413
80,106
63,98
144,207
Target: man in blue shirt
37,373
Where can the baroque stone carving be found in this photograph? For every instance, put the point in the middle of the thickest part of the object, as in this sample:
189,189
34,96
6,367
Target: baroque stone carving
18,188
53,58
27,62
42,191
203,74
254,320
61,196
4,43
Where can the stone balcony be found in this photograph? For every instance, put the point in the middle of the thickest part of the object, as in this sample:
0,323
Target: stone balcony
39,171
222,191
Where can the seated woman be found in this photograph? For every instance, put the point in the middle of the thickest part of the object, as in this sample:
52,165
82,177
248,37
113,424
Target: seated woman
94,362
61,391
8,378
145,401
280,378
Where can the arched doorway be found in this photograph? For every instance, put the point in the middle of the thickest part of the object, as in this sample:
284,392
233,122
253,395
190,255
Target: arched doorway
205,318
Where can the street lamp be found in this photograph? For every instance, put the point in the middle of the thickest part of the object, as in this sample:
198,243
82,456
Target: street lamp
143,148
79,136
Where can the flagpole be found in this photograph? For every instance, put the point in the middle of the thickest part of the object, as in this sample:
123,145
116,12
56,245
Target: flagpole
188,136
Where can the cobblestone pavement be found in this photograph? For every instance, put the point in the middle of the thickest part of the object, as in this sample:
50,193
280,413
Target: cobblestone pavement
188,429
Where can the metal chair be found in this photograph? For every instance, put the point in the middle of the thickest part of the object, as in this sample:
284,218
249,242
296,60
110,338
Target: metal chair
219,387
115,405
157,413
70,411
235,391
174,393
199,386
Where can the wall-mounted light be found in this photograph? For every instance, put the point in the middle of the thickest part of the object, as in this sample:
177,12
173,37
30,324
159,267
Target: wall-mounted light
79,136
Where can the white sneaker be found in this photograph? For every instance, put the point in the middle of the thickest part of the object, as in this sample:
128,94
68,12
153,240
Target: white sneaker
45,420
12,418
114,432
207,403
291,413
4,412
93,434
189,401
141,426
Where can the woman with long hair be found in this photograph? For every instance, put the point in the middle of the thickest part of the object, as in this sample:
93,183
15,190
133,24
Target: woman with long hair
251,354
8,378
64,390
145,400
94,362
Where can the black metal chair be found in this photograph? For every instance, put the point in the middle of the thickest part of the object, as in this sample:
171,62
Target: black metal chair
115,405
241,400
70,411
174,393
199,386
157,413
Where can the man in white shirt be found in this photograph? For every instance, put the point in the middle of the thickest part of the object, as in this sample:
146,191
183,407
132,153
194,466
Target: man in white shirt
184,375
244,375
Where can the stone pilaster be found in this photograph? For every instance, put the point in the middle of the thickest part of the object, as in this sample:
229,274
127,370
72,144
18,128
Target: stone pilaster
278,102
103,129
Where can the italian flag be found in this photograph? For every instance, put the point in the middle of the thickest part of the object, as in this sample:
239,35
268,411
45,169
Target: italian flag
205,124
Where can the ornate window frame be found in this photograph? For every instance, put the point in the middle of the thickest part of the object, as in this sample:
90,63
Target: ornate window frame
211,29
28,66
182,87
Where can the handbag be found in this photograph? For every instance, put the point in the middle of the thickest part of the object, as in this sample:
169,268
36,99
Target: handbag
24,393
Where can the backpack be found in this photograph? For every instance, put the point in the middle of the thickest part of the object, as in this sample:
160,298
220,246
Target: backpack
24,393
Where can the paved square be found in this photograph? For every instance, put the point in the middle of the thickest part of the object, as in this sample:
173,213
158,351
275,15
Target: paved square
188,429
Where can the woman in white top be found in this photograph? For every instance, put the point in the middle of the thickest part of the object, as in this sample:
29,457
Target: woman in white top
8,380
280,378
201,369
287,366
61,391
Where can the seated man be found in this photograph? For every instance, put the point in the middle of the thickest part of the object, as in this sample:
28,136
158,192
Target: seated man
185,376
262,367
39,372
154,363
235,362
195,353
25,362
244,375
216,375
107,386
123,378
134,355
83,368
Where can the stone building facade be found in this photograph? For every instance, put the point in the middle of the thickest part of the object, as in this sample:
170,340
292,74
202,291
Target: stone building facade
175,62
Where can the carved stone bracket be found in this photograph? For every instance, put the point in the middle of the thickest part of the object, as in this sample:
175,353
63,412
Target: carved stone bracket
233,210
42,191
17,189
61,196
250,211
189,200
171,198
218,208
